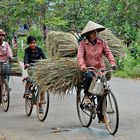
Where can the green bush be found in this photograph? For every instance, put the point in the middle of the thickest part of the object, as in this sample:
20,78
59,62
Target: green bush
129,67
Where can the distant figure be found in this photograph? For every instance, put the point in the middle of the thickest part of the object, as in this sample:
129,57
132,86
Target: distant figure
5,53
14,45
5,49
14,42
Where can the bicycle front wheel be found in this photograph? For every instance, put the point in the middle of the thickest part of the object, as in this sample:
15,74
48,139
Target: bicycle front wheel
111,113
5,95
84,115
28,105
43,106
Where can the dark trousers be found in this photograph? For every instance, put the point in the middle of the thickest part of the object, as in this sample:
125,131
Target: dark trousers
7,77
100,107
88,76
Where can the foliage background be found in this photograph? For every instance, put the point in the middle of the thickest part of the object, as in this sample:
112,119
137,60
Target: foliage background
41,16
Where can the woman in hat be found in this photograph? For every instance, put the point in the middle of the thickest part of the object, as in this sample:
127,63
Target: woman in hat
90,54
5,50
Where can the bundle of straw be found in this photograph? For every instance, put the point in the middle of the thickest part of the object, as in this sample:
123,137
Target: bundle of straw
16,69
57,75
61,44
116,45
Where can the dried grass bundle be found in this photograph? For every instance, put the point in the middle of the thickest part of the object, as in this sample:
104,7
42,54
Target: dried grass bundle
116,45
57,75
60,75
16,69
61,44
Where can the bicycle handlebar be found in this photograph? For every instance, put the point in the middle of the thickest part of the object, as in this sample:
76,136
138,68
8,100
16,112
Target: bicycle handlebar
97,70
108,69
30,65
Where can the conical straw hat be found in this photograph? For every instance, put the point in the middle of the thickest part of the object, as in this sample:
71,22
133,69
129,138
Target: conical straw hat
2,32
92,26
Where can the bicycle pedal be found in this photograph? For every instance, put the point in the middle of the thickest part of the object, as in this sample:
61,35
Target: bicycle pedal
86,105
30,96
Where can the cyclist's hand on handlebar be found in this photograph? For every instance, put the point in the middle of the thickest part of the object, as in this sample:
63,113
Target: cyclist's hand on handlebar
26,66
83,68
114,67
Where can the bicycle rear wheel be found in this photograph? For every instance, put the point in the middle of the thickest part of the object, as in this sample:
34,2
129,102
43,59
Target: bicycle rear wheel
45,106
28,105
111,113
5,95
84,115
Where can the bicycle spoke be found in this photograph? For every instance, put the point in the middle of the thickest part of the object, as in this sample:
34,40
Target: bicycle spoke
28,106
84,114
44,104
5,95
111,113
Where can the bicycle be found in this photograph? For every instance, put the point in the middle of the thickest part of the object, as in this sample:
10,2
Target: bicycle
107,102
33,98
4,86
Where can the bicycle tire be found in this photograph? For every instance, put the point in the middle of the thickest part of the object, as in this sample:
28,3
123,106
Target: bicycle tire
0,95
28,106
28,103
84,115
5,95
111,112
45,106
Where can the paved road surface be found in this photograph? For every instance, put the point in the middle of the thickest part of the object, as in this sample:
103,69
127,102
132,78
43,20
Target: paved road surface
15,125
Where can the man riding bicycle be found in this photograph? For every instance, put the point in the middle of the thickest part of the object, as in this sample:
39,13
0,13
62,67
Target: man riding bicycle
90,54
5,51
32,54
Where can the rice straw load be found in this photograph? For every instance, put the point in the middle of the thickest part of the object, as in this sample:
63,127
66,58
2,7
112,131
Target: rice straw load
61,44
57,75
60,73
16,69
116,45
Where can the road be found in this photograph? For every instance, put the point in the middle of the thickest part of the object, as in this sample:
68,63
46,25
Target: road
15,125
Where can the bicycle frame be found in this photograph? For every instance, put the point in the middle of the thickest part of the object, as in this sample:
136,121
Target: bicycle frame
94,107
34,91
0,88
34,98
4,93
104,105
2,77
